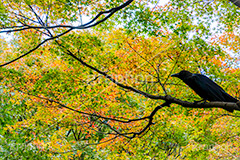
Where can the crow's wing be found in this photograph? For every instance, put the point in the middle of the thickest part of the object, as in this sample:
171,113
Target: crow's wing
204,87
210,90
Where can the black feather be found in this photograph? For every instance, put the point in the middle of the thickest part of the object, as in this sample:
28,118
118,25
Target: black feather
205,87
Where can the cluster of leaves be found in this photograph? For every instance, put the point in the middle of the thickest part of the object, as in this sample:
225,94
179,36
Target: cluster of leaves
52,106
58,131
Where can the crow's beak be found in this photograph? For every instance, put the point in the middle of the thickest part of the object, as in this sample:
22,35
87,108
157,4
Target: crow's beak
175,75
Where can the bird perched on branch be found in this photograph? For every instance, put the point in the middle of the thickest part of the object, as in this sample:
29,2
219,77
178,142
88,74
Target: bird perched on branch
205,87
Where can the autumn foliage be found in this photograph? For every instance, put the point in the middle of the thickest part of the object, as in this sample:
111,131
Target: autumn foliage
67,98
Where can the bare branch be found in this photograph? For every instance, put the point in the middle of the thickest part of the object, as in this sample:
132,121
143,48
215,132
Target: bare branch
36,15
156,70
111,12
84,113
84,26
40,44
168,98
87,25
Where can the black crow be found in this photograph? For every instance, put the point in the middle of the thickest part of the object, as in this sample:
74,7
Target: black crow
205,87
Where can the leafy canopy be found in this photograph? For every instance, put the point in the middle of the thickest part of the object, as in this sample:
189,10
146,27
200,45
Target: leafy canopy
67,98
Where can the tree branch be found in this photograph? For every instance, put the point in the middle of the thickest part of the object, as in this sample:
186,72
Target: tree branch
236,2
168,98
30,51
85,26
